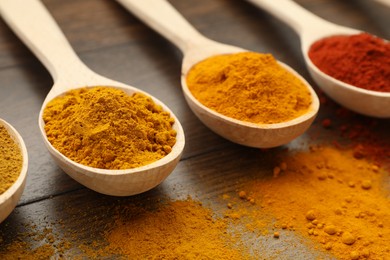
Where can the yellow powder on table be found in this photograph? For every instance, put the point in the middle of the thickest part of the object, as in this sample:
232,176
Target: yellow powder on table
324,196
34,244
177,230
106,128
183,229
20,250
250,87
11,160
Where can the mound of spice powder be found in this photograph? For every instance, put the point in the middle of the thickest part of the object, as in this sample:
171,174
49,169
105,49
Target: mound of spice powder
182,229
250,87
361,60
106,128
325,195
10,160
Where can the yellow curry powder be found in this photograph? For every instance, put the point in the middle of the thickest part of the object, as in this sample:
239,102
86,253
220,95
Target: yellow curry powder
176,230
106,128
11,160
182,229
327,196
250,87
50,245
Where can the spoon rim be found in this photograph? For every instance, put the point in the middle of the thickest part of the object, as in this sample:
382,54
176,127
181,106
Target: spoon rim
310,113
20,181
348,86
177,148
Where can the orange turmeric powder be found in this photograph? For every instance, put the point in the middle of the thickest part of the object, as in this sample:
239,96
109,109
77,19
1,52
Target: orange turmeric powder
177,230
250,87
328,196
326,199
183,229
106,128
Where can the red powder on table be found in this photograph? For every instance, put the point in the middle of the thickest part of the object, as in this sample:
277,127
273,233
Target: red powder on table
361,60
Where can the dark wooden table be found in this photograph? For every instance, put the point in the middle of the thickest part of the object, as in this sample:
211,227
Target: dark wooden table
112,42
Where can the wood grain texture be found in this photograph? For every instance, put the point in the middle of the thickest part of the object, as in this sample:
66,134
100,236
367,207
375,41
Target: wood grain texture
115,44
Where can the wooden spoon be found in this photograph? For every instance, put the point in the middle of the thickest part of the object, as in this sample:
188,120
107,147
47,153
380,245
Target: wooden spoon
11,196
31,21
163,18
312,28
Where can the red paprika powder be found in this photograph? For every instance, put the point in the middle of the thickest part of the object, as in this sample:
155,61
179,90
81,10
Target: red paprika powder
361,60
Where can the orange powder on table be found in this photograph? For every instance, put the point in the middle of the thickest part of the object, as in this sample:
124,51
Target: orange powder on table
182,229
175,230
328,196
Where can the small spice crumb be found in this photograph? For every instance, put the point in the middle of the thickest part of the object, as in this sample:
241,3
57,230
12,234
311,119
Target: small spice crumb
276,235
354,255
347,238
359,153
330,175
276,171
326,123
242,194
365,253
366,184
322,176
283,166
348,199
310,215
328,246
330,229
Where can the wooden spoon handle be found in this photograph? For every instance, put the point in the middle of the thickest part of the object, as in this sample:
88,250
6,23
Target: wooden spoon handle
31,21
166,20
292,14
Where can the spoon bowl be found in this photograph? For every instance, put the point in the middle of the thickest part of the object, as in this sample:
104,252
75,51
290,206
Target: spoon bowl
11,196
163,18
237,131
312,28
38,30
119,182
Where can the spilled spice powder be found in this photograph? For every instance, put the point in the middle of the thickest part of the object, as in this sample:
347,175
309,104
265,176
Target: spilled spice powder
42,244
182,229
176,230
367,136
327,196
